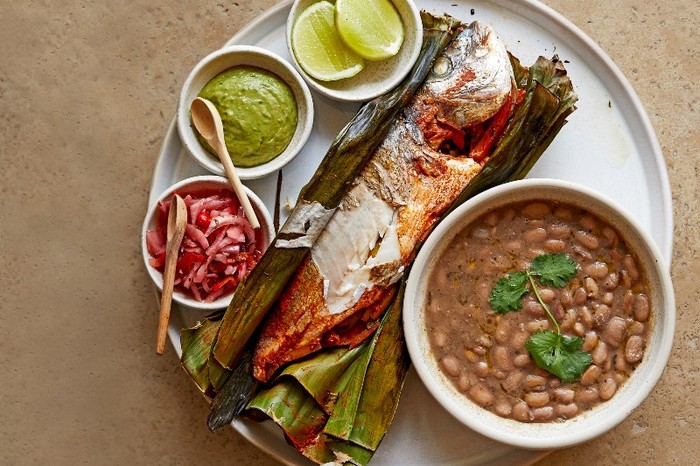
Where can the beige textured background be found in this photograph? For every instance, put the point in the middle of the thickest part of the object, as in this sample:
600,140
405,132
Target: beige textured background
87,90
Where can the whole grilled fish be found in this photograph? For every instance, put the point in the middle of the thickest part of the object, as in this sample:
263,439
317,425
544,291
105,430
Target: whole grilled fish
433,150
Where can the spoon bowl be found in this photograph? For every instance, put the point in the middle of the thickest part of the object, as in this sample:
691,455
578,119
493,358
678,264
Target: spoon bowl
207,120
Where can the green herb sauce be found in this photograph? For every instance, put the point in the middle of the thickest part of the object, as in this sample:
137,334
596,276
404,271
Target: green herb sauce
258,111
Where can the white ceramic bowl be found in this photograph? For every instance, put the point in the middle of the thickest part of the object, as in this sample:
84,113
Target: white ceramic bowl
589,424
183,187
226,58
377,77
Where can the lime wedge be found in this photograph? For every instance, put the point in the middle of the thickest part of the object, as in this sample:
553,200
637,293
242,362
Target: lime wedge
318,48
372,28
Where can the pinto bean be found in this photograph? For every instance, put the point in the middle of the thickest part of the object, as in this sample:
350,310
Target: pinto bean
559,231
590,341
521,360
451,365
637,328
599,354
580,296
502,407
537,325
641,307
611,239
503,331
481,369
625,279
564,395
566,298
535,235
513,247
591,287
588,222
566,411
601,315
534,309
544,413
547,295
536,399
439,338
628,302
569,321
521,412
554,245
534,382
586,316
608,298
563,213
610,282
596,270
480,233
464,382
536,210
615,331
586,240
634,349
590,375
512,382
485,341
481,395
502,358
519,339
581,252
607,389
621,364
587,395
491,219
579,329
631,267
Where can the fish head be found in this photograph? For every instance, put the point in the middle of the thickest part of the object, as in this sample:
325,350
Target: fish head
471,79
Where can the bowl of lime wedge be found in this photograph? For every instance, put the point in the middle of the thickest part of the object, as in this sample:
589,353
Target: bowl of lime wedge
354,50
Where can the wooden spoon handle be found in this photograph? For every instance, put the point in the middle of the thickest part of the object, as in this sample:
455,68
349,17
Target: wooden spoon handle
237,186
166,300
177,222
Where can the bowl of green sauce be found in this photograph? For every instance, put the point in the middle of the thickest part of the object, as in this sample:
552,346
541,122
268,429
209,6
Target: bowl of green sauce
265,107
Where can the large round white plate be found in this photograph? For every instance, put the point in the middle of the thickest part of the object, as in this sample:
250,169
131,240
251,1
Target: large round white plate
608,145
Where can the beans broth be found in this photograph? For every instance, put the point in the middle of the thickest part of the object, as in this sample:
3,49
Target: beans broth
483,353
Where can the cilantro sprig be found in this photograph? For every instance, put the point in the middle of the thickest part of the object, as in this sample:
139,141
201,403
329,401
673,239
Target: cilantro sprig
558,354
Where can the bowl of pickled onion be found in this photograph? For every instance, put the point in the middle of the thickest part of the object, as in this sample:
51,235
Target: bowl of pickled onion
219,247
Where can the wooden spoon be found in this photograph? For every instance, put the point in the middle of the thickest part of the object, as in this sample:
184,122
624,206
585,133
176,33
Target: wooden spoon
177,221
207,120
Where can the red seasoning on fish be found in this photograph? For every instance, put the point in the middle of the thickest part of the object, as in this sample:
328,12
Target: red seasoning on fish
218,250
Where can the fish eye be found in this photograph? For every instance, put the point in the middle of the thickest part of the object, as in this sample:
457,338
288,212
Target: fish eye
442,66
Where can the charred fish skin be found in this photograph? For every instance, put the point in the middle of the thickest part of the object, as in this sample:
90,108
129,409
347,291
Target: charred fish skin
407,184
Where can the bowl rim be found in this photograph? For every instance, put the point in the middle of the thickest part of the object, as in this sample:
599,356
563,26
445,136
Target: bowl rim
157,277
590,424
305,108
382,87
